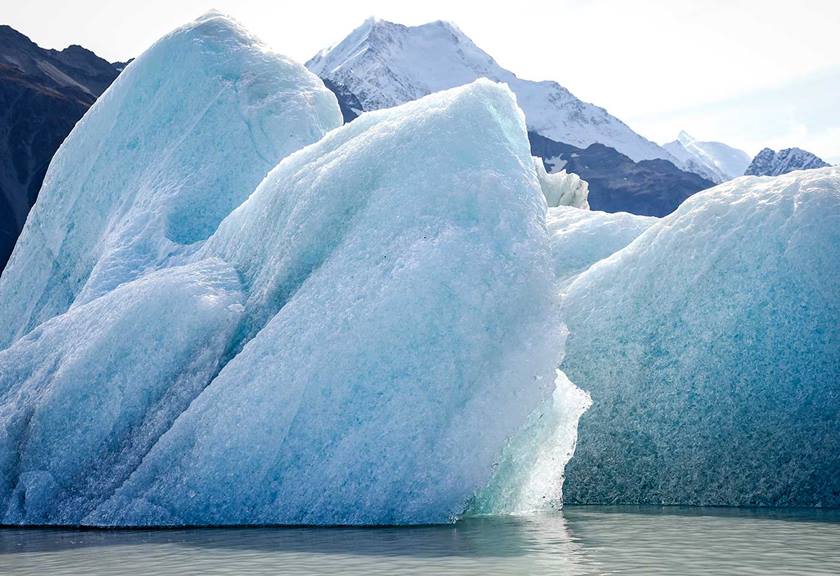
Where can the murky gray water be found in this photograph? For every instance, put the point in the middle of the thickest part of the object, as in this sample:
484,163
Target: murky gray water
581,540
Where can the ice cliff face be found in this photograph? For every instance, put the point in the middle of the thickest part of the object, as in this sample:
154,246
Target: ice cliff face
771,163
383,64
714,161
328,351
710,349
143,177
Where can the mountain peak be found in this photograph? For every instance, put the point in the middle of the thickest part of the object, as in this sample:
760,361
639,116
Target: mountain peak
768,162
715,161
382,64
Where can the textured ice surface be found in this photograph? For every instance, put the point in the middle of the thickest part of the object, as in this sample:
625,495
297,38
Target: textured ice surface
385,307
85,395
561,188
711,349
178,141
580,238
402,266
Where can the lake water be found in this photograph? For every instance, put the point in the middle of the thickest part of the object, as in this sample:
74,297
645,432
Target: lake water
580,540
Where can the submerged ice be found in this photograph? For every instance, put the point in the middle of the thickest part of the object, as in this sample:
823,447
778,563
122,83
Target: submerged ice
711,349
352,340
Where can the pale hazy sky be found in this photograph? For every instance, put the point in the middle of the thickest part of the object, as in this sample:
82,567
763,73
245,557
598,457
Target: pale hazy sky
750,73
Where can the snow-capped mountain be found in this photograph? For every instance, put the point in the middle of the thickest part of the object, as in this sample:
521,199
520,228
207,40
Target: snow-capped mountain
771,163
714,161
383,64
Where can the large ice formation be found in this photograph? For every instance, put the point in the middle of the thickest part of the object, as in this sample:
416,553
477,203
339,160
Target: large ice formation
331,351
401,296
711,349
178,141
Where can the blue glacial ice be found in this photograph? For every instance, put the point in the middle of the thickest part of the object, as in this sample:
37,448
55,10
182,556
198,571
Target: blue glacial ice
179,140
580,238
711,349
352,338
85,395
225,308
401,323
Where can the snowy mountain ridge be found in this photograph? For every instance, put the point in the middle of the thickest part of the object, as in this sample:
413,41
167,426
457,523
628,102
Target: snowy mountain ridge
715,161
384,64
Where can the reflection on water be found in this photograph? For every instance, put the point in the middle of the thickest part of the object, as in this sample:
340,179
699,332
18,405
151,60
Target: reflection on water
581,540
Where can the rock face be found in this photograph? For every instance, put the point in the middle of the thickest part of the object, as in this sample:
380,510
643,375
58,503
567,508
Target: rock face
43,93
709,346
617,183
771,163
714,161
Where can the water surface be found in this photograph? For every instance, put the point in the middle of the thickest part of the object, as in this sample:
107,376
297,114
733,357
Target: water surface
580,541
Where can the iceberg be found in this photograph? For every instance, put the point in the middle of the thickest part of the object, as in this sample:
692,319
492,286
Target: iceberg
178,141
401,322
352,338
710,346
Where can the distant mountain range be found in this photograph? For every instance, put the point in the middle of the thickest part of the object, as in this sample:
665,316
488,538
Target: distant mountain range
43,93
380,64
771,163
714,161
616,183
